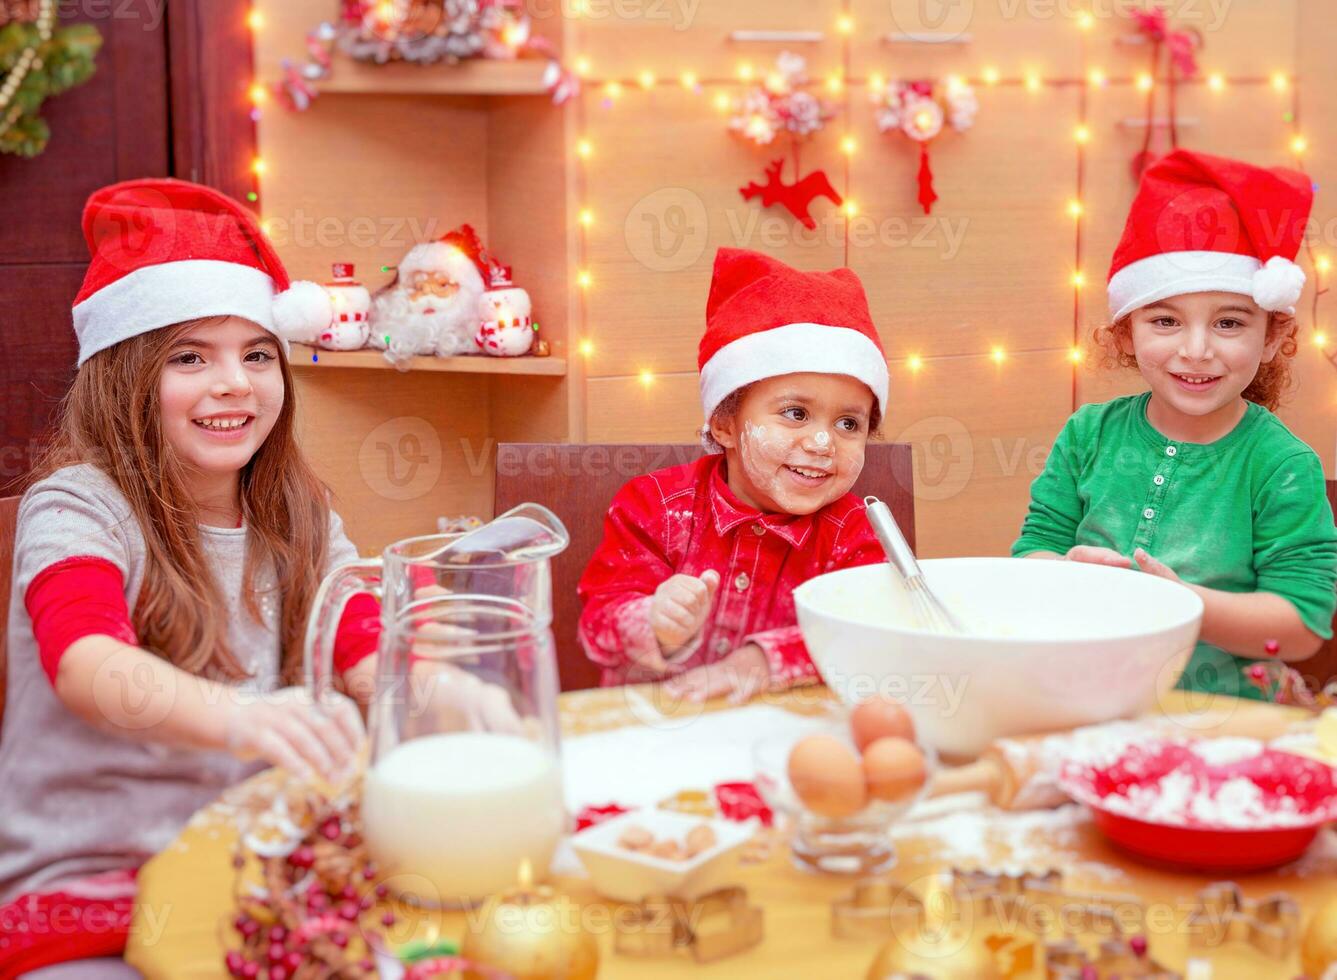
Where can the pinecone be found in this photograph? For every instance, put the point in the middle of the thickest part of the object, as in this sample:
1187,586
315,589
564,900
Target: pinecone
19,10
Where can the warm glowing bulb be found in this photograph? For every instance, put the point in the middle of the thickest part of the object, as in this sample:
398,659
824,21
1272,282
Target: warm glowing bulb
586,217
584,149
745,71
385,11
584,279
647,377
1078,279
586,348
1082,134
647,79
1086,20
845,24
1299,144
1075,208
1145,82
954,84
914,362
1033,83
689,79
1280,82
267,227
1323,263
513,35
1216,82
582,66
1075,355
924,120
613,90
848,145
258,166
1097,78
850,208
876,82
1320,339
255,20
722,101
999,355
834,84
259,94
990,76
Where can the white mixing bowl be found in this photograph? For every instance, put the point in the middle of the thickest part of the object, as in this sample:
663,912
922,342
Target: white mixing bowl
1048,644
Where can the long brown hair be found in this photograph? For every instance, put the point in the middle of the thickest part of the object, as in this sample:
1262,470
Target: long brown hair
1267,386
111,418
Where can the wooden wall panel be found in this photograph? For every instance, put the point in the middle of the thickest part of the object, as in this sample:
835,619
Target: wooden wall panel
621,38
960,281
665,196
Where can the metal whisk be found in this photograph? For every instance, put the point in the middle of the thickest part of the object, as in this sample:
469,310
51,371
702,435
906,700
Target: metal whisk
928,608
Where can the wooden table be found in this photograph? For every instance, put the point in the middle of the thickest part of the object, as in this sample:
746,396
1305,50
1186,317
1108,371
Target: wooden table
185,896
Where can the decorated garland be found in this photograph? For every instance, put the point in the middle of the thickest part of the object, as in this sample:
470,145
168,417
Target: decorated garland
37,61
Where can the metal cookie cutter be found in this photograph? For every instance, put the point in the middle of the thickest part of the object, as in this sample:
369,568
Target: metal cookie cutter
1222,914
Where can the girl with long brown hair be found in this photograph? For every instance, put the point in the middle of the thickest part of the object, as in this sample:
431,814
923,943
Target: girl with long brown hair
167,554
1197,480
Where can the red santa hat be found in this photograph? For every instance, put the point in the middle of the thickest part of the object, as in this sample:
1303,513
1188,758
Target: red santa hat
1203,224
165,251
765,319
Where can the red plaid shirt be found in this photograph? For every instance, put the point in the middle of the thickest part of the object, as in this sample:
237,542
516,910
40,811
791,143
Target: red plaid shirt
685,519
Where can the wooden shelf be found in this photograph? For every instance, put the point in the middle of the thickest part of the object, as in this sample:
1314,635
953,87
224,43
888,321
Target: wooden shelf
476,77
374,360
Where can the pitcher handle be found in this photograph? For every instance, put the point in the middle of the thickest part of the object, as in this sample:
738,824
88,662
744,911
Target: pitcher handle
326,611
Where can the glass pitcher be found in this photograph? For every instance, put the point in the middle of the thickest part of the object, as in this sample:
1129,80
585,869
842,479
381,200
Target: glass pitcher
463,784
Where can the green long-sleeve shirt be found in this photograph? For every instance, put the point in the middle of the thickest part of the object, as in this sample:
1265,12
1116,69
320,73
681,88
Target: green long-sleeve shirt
1247,513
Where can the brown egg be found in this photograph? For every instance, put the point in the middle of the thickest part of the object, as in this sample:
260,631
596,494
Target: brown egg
827,776
880,717
894,768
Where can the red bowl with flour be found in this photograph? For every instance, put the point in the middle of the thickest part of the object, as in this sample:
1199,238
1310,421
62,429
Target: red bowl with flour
1211,805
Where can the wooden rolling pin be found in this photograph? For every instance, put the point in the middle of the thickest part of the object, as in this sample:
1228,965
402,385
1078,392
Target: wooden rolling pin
1021,773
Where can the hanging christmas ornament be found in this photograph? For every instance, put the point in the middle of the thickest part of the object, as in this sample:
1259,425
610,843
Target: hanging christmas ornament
913,109
351,302
507,328
781,105
1180,57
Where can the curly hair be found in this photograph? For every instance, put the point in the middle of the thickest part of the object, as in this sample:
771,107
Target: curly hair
728,409
1267,386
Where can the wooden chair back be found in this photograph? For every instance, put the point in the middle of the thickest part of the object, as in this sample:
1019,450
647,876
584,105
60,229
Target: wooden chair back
578,483
9,519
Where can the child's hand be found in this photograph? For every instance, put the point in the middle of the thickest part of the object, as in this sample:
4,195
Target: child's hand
1099,556
1153,567
741,675
679,610
287,729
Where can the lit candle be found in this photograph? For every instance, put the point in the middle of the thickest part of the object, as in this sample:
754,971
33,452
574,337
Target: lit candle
532,933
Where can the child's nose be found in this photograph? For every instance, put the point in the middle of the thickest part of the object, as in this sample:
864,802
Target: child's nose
232,380
1196,345
819,442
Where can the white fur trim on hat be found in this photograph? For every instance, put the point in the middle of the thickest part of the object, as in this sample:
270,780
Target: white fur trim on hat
156,296
302,311
1276,287
791,349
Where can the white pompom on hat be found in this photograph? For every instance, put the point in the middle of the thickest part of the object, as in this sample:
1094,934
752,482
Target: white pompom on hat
1203,224
164,251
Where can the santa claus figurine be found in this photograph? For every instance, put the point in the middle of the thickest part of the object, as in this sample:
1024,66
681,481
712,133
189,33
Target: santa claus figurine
432,306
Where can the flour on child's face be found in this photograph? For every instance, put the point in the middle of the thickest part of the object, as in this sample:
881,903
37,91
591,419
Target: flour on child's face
799,441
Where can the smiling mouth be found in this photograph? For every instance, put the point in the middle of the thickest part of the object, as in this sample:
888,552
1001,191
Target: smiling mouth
224,423
1196,380
807,473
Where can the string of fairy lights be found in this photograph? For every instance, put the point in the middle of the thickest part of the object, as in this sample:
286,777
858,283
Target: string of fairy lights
838,87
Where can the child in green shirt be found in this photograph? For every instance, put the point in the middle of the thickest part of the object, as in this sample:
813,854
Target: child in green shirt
1196,480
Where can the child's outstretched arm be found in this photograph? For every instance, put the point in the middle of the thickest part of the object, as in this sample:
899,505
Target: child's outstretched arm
1295,559
132,692
1050,528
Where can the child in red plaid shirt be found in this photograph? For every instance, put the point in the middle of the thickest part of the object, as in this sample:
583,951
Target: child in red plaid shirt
694,579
